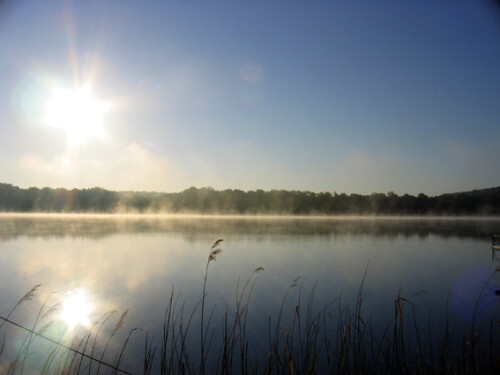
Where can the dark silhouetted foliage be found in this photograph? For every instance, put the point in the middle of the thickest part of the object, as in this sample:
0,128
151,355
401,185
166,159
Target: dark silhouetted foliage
282,202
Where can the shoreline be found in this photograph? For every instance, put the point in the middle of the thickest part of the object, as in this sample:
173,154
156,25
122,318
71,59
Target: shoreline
189,216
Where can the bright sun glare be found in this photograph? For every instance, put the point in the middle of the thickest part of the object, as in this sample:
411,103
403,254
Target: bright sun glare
76,309
77,112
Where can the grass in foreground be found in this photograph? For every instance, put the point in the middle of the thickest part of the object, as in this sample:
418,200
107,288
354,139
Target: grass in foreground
333,338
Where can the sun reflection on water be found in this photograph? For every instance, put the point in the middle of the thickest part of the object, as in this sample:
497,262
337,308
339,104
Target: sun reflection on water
76,309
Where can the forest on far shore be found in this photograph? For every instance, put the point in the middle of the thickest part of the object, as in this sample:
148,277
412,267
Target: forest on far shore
277,202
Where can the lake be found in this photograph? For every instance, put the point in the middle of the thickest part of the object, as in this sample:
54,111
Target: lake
439,268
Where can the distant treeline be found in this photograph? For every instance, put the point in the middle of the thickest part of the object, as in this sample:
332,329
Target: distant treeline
210,201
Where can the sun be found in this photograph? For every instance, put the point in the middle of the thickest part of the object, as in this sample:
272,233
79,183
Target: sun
76,309
77,113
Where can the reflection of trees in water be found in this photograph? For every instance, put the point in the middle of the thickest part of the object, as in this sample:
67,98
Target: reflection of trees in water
95,227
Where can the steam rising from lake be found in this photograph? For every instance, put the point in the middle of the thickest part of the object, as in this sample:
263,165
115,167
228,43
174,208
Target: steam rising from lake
132,262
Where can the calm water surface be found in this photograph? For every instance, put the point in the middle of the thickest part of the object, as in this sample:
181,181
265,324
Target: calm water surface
121,263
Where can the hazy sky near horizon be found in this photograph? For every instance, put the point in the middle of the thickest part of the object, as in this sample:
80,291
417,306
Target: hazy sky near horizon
310,95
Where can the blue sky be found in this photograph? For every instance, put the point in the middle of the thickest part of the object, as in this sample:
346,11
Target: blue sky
323,96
